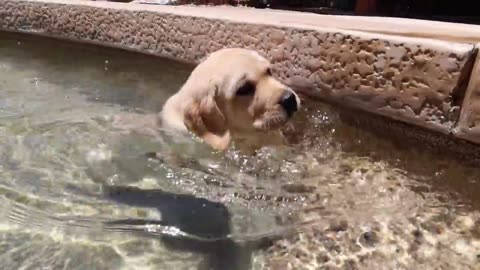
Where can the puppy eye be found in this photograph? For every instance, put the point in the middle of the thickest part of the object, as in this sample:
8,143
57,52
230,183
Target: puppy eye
269,72
246,89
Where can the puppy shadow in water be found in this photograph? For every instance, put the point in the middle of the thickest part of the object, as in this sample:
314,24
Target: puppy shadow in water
196,216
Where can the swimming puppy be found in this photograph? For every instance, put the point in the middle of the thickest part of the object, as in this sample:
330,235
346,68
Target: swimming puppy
232,97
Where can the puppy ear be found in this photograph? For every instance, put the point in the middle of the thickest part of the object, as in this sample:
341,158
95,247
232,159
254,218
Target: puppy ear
205,119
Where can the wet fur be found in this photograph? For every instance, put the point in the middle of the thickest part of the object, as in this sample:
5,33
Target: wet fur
207,104
272,120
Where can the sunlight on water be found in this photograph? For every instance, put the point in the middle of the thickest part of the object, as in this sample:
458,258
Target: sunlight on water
80,189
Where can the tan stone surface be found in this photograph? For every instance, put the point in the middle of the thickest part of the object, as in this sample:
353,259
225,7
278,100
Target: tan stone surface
395,26
414,80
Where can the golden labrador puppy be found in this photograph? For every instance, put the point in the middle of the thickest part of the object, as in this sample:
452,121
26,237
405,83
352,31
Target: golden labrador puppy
232,97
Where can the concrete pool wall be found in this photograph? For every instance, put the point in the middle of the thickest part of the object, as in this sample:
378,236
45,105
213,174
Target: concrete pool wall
418,72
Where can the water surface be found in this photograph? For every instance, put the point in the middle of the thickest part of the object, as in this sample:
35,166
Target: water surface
77,190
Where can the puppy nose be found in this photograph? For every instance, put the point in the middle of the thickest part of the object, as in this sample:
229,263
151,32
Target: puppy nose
289,102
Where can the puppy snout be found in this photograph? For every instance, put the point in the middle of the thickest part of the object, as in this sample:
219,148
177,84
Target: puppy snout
289,102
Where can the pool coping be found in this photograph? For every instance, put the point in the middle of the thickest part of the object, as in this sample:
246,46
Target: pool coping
414,71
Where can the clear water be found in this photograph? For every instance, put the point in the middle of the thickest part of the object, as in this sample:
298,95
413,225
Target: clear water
78,190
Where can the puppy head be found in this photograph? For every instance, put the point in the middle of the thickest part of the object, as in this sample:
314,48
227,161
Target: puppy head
234,91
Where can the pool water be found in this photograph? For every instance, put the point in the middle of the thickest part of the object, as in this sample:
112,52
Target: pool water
79,190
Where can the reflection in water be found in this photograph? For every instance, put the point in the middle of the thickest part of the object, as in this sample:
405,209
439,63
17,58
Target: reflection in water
81,189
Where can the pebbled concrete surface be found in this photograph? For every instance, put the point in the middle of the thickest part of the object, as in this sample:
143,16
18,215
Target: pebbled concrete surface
416,80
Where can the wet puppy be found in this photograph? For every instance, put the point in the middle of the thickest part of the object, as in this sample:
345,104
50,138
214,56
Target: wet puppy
232,97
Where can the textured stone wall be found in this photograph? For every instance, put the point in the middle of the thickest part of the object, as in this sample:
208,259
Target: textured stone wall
469,123
419,81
